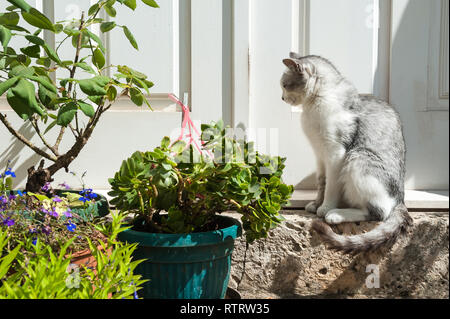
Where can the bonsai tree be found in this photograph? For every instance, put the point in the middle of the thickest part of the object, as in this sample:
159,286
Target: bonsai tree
179,189
27,75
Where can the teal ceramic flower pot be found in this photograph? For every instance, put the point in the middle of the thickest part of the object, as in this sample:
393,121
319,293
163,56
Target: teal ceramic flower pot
185,266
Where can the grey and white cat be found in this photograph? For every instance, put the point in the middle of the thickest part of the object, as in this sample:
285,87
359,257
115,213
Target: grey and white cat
360,152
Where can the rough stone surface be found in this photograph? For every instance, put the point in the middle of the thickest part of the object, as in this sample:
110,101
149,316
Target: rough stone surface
293,263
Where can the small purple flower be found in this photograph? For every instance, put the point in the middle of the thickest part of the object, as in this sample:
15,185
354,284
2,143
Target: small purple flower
12,197
68,213
54,213
71,226
57,199
46,230
46,187
65,185
3,200
8,222
34,242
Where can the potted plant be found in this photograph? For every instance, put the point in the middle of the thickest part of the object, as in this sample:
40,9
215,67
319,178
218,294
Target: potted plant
51,219
41,266
27,78
177,193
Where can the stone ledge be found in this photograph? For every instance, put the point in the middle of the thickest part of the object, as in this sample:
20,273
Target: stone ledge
414,199
293,263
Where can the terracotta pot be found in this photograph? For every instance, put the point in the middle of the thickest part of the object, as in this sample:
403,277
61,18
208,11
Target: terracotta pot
84,258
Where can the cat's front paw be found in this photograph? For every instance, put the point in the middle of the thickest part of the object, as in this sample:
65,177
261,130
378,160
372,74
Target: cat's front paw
311,207
333,217
324,209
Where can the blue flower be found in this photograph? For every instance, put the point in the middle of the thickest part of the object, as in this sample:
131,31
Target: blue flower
71,227
20,193
10,173
34,242
88,195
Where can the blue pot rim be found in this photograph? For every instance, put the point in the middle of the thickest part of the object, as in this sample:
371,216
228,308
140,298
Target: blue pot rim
229,233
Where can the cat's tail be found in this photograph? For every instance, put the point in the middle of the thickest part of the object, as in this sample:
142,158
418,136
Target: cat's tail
384,234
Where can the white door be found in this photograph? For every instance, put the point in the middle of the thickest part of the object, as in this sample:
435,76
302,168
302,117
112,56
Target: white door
227,54
419,88
384,47
175,56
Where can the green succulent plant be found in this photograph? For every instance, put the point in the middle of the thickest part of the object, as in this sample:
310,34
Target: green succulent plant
177,189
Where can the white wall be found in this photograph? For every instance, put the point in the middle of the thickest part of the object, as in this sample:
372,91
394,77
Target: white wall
227,54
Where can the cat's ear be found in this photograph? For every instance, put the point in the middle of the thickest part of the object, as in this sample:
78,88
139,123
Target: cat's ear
304,67
294,55
292,65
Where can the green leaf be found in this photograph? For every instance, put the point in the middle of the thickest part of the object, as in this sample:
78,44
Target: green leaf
46,97
165,143
112,93
136,96
4,86
21,4
107,26
130,37
95,85
98,58
37,19
178,146
50,52
52,124
7,261
86,108
96,99
110,11
5,36
66,114
45,82
32,51
40,197
20,70
9,183
95,38
9,18
130,4
22,99
93,9
151,3
85,67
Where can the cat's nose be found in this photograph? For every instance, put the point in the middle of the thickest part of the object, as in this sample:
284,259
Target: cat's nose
283,98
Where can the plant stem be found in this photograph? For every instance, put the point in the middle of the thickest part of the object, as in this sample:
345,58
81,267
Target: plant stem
24,140
72,75
36,127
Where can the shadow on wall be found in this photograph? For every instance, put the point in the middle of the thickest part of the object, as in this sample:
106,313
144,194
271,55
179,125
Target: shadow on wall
12,153
426,133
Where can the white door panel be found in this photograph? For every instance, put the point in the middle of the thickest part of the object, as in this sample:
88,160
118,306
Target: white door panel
416,69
